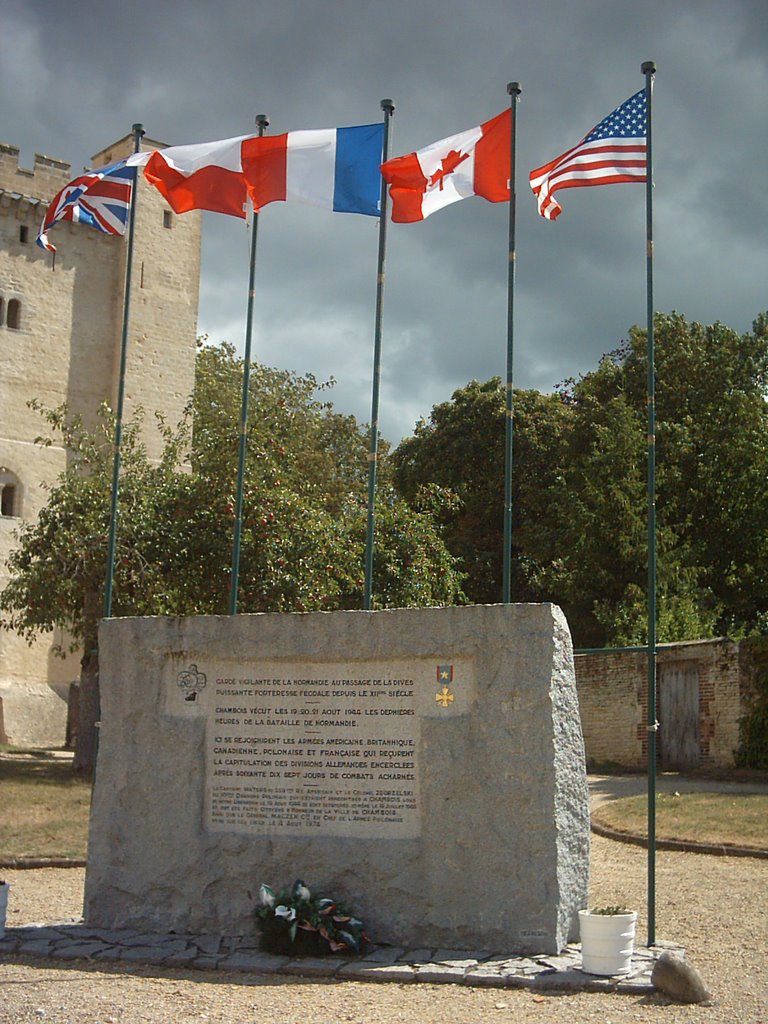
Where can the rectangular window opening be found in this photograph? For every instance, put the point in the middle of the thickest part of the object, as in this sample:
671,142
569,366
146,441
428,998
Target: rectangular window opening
7,500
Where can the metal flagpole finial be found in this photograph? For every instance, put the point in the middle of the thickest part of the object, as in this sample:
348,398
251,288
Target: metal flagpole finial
138,134
388,105
513,88
262,121
648,67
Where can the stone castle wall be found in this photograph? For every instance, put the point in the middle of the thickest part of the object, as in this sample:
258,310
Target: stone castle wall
61,343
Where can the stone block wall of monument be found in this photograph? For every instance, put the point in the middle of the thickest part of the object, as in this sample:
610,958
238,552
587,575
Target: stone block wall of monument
60,336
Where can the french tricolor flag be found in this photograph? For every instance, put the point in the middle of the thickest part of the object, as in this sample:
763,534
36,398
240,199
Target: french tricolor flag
334,168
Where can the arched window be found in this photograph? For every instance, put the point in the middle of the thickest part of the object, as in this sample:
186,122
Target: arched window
10,493
14,314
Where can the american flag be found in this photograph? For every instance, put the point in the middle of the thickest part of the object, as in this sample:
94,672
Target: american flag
612,152
101,198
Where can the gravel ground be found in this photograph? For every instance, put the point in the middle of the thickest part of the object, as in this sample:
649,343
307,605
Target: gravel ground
715,906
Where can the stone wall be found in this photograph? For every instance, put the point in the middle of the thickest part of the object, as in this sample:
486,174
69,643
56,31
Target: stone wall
425,766
613,697
611,690
66,348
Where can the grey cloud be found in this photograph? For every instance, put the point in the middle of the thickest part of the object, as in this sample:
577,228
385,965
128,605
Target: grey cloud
195,70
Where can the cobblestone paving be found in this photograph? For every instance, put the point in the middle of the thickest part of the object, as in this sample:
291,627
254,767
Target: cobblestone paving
71,940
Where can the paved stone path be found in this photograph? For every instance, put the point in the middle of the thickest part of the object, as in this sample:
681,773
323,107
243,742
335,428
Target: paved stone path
71,940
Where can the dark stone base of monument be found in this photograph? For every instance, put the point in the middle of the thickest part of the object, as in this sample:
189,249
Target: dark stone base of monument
426,766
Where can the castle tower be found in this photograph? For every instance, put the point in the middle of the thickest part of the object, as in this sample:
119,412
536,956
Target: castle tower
60,338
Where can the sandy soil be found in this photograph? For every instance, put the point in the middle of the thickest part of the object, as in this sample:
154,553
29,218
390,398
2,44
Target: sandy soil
715,906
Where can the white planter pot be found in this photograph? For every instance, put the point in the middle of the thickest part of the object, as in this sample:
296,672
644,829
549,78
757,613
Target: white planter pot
4,887
607,942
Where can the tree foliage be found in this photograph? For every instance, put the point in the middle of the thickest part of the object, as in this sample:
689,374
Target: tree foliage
753,745
304,515
461,451
580,486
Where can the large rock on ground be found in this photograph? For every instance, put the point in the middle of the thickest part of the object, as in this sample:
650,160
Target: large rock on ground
679,979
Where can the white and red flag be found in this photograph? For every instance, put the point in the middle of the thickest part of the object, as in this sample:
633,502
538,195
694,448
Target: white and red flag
477,162
203,176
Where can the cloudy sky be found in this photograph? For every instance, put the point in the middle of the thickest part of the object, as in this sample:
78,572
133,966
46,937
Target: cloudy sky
75,75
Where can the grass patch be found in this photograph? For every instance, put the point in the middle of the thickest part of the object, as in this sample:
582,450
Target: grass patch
45,807
720,818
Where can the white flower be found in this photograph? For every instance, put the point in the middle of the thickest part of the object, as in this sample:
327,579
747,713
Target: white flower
301,892
266,896
287,912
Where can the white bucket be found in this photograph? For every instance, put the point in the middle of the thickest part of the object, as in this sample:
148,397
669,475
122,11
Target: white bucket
4,887
607,942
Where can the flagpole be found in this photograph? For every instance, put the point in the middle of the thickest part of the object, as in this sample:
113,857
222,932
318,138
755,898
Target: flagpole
514,90
138,133
649,70
262,122
388,107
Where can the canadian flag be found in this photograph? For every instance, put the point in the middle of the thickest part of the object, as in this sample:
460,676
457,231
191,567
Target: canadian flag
476,162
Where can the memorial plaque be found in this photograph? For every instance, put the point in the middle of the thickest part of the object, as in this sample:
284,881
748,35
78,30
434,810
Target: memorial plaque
317,749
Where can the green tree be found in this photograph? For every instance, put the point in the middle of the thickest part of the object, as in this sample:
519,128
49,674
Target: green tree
602,515
712,477
599,512
461,450
303,520
713,457
580,492
294,433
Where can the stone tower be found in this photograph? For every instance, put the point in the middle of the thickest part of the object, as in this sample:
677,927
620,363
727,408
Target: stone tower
60,337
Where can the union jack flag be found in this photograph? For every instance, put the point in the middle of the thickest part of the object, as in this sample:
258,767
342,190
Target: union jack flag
101,198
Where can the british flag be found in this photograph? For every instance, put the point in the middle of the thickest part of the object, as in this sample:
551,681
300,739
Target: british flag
101,198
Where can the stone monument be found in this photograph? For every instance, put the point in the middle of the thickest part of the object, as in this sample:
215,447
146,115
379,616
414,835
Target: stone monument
424,766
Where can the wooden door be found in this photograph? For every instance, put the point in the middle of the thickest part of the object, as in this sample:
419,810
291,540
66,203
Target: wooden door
679,715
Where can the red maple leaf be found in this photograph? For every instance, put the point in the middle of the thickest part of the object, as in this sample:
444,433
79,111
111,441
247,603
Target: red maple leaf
448,165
